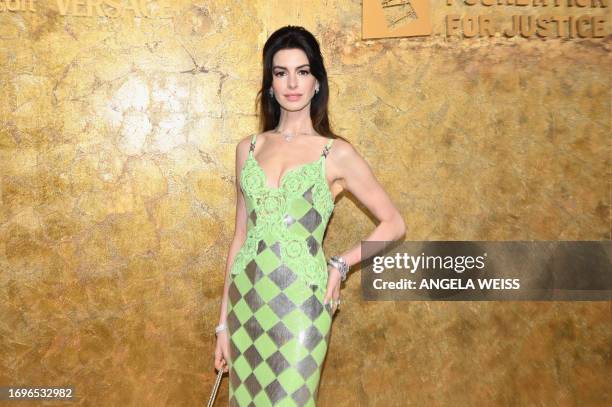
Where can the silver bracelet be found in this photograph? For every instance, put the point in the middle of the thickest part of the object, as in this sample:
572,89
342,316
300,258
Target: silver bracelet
339,263
220,328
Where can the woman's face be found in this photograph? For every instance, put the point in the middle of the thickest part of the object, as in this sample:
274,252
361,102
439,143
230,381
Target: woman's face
292,81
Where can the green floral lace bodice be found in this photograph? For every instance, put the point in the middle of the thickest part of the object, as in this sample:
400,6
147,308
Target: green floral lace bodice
289,220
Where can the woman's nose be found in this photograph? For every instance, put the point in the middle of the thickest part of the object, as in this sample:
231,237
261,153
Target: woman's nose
292,81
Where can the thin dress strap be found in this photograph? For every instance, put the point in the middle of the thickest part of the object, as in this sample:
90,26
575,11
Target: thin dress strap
327,148
252,147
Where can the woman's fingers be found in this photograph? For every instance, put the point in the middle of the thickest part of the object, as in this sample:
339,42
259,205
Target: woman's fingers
336,304
327,296
221,354
333,289
225,359
328,293
336,297
218,362
333,285
337,291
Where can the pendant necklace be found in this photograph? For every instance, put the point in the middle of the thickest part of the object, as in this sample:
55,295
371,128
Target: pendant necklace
288,135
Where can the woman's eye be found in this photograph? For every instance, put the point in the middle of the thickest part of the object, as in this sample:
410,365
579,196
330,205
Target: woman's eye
302,72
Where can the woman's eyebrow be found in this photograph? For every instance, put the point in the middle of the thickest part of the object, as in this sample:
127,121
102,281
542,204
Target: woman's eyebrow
297,67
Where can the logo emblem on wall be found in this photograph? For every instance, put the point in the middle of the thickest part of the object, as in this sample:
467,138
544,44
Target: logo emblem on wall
395,18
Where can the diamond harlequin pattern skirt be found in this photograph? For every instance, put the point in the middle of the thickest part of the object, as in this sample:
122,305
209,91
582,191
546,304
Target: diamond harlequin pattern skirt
279,332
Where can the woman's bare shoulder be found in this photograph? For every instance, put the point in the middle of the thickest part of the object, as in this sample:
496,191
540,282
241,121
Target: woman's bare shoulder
242,144
343,149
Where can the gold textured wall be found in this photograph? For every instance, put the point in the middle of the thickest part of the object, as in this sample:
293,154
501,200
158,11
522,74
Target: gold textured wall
117,142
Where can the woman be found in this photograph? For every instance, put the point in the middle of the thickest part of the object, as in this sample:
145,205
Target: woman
280,292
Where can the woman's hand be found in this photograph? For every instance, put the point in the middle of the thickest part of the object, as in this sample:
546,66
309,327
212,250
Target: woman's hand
333,288
222,351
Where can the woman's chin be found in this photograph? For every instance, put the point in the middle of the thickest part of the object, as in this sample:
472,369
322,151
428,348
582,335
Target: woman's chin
294,106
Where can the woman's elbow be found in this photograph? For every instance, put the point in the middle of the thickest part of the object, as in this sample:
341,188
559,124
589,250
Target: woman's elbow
400,227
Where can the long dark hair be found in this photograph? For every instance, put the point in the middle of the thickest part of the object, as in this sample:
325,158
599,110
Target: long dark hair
289,37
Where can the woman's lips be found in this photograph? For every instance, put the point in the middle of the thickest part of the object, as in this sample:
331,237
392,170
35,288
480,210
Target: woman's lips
293,97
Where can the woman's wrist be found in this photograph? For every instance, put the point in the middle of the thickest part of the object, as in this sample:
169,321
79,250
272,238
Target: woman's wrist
340,264
220,328
331,267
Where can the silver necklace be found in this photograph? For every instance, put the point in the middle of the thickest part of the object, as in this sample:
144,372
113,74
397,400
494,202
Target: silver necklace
288,135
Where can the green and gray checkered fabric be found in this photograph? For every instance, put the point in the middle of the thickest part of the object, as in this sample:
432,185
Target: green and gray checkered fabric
279,328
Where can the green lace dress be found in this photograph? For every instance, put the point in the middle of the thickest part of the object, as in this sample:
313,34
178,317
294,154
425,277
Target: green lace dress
278,325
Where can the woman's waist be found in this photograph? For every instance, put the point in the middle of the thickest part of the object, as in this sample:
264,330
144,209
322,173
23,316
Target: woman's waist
278,234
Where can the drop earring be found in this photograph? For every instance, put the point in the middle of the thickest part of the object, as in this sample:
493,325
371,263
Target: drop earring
271,92
316,90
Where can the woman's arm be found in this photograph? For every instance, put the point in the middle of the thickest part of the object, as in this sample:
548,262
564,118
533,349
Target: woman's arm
240,224
356,176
